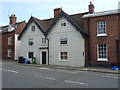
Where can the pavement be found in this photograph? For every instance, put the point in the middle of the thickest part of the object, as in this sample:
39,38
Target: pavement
91,69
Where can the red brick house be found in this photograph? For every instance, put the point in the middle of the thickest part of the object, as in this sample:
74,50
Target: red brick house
103,41
10,44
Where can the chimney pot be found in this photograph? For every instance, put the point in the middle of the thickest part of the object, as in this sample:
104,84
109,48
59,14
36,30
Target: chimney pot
13,19
91,8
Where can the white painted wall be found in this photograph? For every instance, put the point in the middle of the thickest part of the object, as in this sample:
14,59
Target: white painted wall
37,37
17,47
75,47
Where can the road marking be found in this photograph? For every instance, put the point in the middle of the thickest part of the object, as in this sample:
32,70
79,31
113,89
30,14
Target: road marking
13,71
2,69
68,72
9,70
73,82
44,68
50,78
110,76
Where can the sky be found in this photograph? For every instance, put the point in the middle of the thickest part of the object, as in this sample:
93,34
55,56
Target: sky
43,9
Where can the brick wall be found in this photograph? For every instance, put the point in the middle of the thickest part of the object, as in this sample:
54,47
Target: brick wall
5,45
92,40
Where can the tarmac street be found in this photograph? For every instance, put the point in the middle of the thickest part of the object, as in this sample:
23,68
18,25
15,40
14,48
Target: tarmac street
19,76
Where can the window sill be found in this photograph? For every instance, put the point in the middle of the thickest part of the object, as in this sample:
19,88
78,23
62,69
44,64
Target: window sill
63,44
101,35
102,59
64,60
44,44
9,56
30,45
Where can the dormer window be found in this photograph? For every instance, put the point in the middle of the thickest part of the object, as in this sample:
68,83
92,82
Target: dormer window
63,23
32,28
10,28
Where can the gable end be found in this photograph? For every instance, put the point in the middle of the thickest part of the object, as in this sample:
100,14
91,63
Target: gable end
63,14
29,22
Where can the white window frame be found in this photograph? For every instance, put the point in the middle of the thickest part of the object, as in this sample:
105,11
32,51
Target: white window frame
32,28
44,41
65,39
30,40
102,59
64,55
9,53
9,40
62,22
99,24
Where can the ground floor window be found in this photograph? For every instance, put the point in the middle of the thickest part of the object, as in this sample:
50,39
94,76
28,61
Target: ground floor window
102,52
63,56
9,53
30,54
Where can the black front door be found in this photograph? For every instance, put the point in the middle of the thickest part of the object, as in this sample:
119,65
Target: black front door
43,57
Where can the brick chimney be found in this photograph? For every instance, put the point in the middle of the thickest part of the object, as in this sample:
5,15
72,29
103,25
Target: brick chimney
13,19
91,8
56,12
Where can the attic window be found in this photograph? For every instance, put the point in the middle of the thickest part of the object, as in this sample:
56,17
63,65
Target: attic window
32,28
63,23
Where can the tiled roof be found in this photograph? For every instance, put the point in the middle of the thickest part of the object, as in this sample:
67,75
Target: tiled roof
46,24
4,29
78,19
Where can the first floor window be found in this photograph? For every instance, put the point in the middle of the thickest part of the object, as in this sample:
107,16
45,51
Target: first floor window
9,53
30,54
63,55
101,28
63,40
43,40
9,40
102,52
30,42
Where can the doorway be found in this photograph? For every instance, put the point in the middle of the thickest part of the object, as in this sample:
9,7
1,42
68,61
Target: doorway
44,57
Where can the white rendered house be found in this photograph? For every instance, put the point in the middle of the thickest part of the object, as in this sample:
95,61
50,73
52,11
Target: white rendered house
55,41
